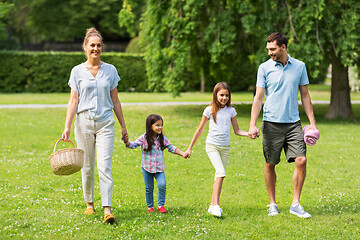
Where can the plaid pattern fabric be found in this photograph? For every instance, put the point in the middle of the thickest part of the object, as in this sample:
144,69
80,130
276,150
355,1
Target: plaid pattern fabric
152,161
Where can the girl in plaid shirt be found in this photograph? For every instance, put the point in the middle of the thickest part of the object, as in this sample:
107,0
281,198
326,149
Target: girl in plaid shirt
153,143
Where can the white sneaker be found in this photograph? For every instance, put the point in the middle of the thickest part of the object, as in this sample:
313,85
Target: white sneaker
273,210
299,211
215,210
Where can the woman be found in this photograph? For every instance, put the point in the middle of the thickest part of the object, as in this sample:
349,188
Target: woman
93,96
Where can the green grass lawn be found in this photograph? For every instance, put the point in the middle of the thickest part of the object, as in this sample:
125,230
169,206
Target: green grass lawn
317,92
35,203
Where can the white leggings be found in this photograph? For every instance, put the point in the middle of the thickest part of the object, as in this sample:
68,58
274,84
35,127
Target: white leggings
219,156
88,135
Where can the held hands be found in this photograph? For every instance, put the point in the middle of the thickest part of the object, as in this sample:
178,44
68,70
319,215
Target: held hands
188,153
185,154
125,136
253,132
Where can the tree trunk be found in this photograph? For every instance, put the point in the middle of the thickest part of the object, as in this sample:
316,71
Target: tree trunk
340,104
202,81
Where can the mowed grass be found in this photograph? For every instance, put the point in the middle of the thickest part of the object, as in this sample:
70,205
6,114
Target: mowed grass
317,92
36,204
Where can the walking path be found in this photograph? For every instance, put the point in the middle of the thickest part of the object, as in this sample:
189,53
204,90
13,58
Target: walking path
7,106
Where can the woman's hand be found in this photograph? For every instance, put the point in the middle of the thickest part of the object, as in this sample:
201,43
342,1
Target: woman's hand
66,134
125,137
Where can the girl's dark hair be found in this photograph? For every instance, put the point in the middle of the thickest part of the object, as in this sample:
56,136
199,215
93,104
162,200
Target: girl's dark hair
215,105
150,120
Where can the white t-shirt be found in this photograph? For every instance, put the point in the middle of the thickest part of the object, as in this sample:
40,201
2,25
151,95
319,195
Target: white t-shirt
219,132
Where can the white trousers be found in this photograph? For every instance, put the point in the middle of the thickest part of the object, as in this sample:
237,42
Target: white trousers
91,134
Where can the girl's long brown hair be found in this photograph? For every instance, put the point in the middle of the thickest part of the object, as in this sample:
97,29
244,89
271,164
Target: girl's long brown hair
215,104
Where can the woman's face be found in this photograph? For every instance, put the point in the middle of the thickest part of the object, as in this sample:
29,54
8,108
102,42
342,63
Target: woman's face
93,48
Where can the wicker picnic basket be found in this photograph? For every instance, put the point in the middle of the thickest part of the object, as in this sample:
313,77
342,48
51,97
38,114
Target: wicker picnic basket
66,161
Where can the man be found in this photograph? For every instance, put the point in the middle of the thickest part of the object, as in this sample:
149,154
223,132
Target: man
279,79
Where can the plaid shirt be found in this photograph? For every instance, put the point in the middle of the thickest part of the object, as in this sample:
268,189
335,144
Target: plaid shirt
152,161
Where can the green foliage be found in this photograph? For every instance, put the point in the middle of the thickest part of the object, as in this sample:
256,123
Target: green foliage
224,40
51,20
50,71
130,15
4,10
316,33
135,46
190,40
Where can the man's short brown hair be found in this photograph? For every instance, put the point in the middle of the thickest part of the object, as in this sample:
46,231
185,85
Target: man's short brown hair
279,38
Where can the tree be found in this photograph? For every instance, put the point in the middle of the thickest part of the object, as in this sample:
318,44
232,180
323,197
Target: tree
201,40
51,20
4,10
130,15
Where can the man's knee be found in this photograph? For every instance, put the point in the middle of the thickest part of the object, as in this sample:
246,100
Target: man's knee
269,166
301,161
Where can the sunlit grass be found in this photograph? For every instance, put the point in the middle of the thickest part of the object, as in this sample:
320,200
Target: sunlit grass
37,204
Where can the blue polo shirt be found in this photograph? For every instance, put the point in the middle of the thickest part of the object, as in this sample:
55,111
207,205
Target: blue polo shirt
94,92
281,86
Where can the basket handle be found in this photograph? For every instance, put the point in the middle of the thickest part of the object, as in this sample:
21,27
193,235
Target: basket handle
61,139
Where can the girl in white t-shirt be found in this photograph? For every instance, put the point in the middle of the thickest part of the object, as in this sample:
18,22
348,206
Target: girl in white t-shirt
220,115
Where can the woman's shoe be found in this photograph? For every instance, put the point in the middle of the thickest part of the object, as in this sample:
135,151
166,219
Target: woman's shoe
109,218
89,211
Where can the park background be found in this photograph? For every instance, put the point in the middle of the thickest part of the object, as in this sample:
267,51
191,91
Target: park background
168,51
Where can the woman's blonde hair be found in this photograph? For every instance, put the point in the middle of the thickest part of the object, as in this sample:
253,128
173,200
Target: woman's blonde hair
91,32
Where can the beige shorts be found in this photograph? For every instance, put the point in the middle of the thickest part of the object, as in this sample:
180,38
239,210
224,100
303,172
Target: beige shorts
219,156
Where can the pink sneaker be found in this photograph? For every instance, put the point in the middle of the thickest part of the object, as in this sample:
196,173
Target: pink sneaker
150,210
162,209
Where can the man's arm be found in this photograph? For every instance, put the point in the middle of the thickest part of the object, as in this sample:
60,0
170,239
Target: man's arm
306,102
254,132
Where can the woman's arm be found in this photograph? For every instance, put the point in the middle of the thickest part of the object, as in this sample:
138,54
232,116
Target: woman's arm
236,128
197,134
119,114
181,153
70,113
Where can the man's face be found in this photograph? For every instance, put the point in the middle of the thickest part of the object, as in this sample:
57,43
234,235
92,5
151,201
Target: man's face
274,51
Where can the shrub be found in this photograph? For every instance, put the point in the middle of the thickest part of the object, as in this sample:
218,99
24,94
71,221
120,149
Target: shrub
49,71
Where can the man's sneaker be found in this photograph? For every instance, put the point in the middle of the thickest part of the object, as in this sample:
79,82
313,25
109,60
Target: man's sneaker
273,210
151,209
215,210
299,211
162,209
